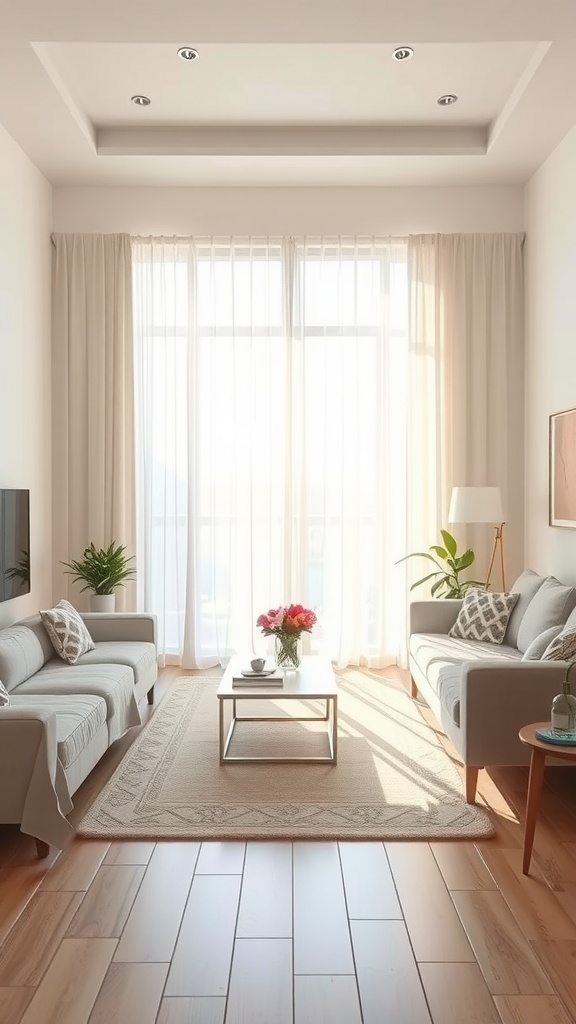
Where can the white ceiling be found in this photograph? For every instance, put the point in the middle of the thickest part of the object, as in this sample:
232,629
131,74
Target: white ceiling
299,93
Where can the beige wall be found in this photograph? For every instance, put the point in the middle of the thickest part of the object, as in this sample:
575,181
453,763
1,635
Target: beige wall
288,211
551,345
25,458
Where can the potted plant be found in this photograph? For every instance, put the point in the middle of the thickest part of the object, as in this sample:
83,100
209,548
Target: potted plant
449,564
102,570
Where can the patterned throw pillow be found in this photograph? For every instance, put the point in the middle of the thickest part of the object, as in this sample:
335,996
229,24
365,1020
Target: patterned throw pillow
562,648
483,616
4,696
67,631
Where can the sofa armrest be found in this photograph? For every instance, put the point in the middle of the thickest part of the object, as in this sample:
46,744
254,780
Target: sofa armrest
434,616
497,699
37,796
121,626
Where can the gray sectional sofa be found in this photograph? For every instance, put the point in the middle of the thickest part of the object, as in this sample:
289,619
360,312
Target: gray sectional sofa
62,717
483,693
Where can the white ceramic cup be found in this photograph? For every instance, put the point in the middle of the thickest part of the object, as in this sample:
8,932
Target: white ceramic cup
258,664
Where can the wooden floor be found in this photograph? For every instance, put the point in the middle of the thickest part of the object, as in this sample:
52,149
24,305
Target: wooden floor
311,933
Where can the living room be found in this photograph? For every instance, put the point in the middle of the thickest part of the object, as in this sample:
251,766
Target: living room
295,195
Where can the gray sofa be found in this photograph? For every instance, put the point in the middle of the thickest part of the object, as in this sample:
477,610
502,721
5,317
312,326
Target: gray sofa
62,717
483,693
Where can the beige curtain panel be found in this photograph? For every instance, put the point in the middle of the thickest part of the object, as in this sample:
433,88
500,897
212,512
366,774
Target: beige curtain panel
466,383
93,401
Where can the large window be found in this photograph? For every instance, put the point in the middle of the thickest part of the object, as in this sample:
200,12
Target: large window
271,383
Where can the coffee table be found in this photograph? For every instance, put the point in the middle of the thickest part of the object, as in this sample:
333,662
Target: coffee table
313,680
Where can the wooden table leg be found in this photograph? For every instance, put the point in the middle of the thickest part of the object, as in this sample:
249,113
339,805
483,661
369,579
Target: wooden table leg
535,780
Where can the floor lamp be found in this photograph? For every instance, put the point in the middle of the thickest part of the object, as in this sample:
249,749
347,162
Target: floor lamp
481,505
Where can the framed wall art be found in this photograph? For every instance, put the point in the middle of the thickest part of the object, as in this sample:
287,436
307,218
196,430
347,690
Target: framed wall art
563,468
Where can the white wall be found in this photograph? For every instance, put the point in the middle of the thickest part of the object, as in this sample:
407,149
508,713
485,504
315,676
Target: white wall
288,211
551,345
25,456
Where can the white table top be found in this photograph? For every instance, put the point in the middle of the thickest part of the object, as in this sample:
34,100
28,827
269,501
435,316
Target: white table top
313,678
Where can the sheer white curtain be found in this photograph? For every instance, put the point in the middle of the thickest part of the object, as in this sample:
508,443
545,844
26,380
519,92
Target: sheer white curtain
271,383
466,385
349,366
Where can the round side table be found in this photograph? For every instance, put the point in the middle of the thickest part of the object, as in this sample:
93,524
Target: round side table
540,750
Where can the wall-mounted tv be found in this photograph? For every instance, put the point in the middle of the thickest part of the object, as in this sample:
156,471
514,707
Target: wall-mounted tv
14,543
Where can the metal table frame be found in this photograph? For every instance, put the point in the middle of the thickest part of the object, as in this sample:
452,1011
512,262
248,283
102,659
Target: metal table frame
330,716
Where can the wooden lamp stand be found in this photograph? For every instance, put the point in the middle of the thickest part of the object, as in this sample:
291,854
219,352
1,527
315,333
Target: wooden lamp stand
498,546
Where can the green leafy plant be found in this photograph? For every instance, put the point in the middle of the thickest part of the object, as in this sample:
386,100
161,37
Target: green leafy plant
102,569
449,565
21,570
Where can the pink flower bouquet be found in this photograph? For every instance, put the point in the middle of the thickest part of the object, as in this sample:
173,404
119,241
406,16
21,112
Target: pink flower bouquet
286,625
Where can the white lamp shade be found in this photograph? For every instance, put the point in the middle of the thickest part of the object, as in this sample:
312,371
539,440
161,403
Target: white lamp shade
476,505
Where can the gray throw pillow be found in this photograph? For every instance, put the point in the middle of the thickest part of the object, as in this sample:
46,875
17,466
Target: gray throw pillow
562,648
483,616
535,650
550,606
571,620
525,586
67,631
4,696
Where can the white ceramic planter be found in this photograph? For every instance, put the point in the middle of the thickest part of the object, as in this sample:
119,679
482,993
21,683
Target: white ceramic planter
102,602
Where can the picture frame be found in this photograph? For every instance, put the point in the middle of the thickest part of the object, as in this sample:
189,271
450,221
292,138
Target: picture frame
562,469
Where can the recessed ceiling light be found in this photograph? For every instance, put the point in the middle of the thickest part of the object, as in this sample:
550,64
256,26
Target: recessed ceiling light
187,53
447,100
403,53
141,101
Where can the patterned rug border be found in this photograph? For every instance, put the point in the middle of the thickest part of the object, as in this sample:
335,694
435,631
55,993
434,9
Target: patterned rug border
209,821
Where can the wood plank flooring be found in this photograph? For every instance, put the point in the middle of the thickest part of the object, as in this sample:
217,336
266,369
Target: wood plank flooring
296,933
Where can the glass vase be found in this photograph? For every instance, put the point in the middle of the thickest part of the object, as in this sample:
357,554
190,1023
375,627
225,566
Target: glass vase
288,651
563,714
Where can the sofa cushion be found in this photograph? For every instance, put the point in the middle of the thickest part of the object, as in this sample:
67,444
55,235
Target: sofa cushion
562,647
571,620
140,655
525,586
535,650
483,616
78,719
114,683
550,606
440,659
34,623
448,684
21,654
4,696
432,649
67,631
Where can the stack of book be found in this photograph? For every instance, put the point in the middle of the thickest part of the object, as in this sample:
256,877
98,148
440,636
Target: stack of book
252,679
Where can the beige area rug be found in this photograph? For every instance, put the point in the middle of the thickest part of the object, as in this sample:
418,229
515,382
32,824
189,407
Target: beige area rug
393,779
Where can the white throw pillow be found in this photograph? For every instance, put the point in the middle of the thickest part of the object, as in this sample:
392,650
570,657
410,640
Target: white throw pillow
67,631
4,696
483,616
562,648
